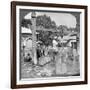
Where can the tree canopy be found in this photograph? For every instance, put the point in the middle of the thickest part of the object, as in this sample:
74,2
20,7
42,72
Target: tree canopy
41,20
45,21
62,30
26,22
44,37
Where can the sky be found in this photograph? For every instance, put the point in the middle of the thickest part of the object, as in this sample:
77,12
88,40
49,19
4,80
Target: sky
60,18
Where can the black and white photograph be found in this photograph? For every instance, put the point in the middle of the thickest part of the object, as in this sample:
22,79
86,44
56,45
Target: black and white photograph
50,44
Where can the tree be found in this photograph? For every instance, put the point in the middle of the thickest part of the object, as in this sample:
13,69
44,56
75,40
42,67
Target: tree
63,30
26,22
53,25
44,37
45,21
41,20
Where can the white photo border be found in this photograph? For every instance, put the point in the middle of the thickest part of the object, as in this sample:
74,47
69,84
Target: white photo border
50,79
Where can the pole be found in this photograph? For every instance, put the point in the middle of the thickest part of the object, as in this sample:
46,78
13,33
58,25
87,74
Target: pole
33,15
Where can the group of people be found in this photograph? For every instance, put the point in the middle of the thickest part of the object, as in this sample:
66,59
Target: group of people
41,50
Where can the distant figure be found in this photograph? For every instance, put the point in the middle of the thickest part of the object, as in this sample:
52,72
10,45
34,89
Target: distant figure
23,47
27,58
39,54
55,43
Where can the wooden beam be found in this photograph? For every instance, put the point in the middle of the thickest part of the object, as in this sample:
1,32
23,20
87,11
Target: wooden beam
34,38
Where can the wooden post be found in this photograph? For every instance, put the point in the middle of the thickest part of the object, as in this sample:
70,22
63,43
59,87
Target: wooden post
33,15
